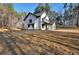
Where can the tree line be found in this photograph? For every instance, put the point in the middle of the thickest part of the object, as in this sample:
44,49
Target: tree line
71,13
8,16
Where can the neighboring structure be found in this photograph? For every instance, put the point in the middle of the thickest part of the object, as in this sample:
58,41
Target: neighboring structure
19,22
39,21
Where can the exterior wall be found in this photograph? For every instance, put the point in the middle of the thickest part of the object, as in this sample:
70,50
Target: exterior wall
43,20
53,26
50,26
38,22
34,21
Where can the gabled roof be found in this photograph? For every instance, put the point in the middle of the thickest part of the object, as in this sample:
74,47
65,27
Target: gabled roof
30,14
39,13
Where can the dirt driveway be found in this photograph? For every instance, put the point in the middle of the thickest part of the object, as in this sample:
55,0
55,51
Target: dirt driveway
39,43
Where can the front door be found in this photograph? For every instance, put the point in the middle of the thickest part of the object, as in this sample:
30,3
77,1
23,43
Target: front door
30,26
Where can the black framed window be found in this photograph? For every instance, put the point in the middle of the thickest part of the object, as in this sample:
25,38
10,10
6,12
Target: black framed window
30,21
28,25
42,25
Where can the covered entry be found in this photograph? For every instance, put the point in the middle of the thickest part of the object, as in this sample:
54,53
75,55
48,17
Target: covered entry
30,26
46,26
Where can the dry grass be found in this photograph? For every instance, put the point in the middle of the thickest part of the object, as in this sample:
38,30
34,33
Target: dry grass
6,30
74,30
3,30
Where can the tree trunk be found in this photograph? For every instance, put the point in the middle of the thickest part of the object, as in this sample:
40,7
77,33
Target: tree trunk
77,23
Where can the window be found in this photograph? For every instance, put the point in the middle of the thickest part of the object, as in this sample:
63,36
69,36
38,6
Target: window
30,20
43,19
33,25
46,19
28,25
42,25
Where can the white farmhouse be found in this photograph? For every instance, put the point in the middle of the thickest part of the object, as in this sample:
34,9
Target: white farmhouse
39,21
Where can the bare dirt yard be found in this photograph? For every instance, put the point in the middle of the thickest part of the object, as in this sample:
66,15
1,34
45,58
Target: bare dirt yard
39,43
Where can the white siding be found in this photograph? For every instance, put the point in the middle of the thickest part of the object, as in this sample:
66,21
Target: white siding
30,17
35,21
38,22
53,26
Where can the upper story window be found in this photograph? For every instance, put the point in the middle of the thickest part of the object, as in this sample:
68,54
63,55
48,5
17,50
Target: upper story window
30,21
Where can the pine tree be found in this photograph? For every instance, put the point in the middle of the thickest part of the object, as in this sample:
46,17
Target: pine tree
39,8
7,14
